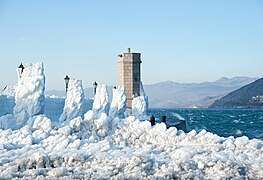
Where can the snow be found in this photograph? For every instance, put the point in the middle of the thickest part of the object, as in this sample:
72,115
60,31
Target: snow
102,146
7,121
29,96
9,91
74,101
140,105
101,100
118,104
124,148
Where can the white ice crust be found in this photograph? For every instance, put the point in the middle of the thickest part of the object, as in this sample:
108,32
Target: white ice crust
7,122
118,103
140,105
29,96
74,101
101,101
124,149
9,91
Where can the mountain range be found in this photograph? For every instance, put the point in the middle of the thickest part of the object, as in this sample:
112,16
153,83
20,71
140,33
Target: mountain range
171,94
182,95
248,96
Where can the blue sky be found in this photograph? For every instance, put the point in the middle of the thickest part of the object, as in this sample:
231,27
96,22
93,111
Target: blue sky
183,41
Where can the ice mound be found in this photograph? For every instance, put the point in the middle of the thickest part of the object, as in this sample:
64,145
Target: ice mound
140,105
103,148
118,104
29,96
74,101
101,101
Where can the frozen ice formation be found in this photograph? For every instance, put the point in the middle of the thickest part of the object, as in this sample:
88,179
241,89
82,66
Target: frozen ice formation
101,101
9,91
74,101
7,122
29,96
124,149
140,105
118,103
98,146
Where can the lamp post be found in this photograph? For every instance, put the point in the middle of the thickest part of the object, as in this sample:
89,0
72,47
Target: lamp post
95,86
66,82
20,69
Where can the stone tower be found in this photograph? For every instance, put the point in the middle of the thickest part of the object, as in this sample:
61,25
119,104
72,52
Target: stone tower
129,74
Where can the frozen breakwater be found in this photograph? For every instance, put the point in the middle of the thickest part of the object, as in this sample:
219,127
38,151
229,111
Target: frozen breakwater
124,148
108,142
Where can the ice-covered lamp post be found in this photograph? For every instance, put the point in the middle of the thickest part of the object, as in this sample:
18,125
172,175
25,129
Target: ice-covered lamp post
95,87
20,69
66,82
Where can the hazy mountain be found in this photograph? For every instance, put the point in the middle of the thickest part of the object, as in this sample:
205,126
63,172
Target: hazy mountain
55,93
171,94
236,81
250,95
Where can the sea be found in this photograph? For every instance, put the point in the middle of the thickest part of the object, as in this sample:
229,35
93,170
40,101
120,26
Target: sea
223,122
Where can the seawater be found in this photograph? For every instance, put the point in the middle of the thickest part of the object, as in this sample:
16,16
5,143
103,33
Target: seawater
223,122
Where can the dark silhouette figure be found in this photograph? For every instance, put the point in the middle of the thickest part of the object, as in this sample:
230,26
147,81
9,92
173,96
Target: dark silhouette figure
164,119
152,120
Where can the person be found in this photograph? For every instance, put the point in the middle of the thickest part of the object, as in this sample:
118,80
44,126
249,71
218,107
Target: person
164,119
152,120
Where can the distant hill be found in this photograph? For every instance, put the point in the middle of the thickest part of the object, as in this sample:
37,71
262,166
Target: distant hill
248,96
171,94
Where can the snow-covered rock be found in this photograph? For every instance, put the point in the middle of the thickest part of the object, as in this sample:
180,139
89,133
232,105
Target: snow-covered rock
118,103
74,101
29,96
101,101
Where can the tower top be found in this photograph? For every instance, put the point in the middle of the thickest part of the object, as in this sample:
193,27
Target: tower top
129,50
